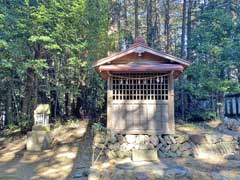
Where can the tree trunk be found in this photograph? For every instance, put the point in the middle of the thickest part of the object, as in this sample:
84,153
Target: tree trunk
156,24
166,25
30,95
182,55
189,28
183,29
66,104
55,106
125,19
136,18
9,116
118,22
125,14
149,23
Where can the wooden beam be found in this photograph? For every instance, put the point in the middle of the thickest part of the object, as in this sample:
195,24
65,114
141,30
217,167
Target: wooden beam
109,102
171,102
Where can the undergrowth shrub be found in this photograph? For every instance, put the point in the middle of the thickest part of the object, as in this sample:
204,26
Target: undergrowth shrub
98,127
200,115
25,125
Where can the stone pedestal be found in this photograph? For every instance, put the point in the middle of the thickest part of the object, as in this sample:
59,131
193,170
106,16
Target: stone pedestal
41,128
38,139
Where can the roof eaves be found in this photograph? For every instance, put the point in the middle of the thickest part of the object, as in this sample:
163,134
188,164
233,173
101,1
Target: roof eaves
140,48
114,56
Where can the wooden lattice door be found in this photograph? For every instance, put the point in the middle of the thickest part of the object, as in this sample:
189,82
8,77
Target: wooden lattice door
139,102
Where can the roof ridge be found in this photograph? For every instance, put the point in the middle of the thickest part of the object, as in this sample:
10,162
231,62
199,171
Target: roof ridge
140,43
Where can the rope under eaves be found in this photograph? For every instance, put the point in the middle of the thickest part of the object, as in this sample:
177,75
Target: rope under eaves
137,78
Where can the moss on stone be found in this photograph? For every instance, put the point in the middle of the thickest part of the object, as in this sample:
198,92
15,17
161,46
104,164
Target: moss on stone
42,109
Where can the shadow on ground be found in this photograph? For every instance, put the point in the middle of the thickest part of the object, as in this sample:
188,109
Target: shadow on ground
56,163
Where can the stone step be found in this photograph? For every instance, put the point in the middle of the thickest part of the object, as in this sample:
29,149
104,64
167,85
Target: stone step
144,155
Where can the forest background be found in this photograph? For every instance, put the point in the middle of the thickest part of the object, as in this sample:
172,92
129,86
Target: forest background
47,48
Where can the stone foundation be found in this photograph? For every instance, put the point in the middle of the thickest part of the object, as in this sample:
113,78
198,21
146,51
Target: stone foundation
167,146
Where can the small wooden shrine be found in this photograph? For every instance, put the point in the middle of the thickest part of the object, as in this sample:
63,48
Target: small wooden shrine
140,96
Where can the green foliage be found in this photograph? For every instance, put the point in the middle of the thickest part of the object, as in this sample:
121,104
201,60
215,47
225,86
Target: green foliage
25,125
215,55
98,127
213,39
37,64
200,115
13,127
3,44
58,40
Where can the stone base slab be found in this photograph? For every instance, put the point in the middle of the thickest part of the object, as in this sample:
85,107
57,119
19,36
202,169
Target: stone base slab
144,155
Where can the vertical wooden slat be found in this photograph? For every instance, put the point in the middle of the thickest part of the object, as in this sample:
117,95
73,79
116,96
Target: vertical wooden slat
238,102
128,86
151,82
234,105
109,103
171,103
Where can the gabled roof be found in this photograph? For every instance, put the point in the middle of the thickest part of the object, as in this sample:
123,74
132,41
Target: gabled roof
140,47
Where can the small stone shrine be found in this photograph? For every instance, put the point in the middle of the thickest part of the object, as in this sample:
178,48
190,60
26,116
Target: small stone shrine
39,138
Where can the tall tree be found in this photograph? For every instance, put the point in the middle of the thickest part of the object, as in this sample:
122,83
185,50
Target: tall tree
149,23
166,25
189,27
127,34
183,56
212,57
136,18
183,36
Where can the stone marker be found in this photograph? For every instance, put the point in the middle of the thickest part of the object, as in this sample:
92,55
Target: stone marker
32,144
38,140
144,155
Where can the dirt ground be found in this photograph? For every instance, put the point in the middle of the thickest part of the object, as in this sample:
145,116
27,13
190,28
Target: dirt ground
71,151
57,163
